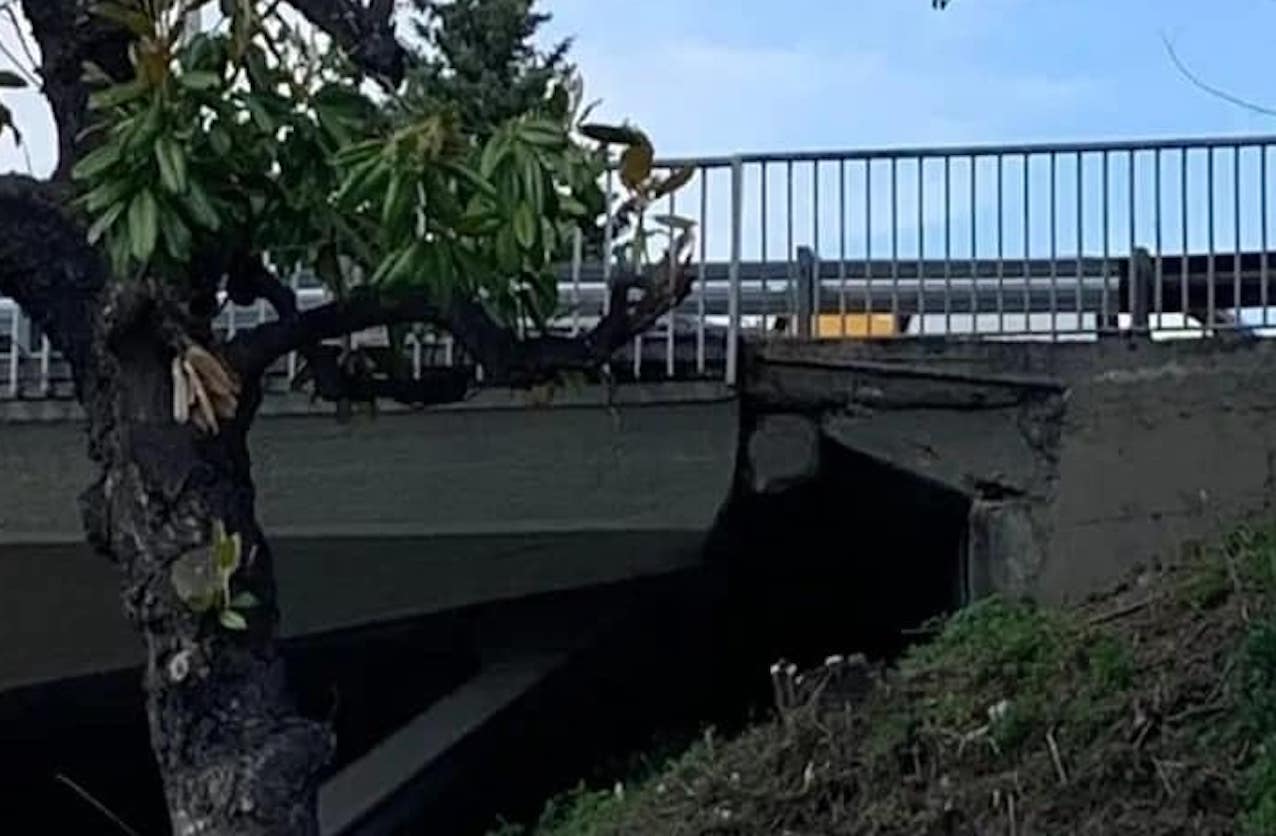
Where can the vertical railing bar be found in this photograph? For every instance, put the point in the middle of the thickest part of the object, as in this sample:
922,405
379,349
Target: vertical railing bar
1135,277
733,295
1183,271
1027,244
868,247
948,246
1236,231
578,254
700,300
974,246
1210,300
14,327
1054,247
894,246
790,287
292,355
1107,244
1080,322
416,356
46,349
608,239
1160,258
921,245
670,317
841,246
817,284
609,220
766,284
1262,203
1001,253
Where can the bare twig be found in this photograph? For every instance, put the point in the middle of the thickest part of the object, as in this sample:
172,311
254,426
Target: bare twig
97,805
1209,88
1054,756
1122,612
1165,778
22,38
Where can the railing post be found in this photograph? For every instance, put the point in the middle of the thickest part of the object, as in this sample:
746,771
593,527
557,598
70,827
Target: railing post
15,346
1141,277
733,274
806,291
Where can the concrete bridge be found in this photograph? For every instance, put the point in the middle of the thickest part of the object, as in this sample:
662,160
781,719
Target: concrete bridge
978,337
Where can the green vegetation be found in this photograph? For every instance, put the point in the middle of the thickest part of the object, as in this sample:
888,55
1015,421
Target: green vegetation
1145,711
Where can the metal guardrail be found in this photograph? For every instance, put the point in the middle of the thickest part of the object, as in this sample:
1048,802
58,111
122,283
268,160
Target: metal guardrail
1052,241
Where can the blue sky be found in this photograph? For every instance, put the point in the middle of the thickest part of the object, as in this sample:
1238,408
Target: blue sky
718,76
714,77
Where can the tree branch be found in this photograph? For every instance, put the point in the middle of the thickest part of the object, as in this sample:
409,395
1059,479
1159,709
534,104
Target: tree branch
506,359
68,37
365,33
48,268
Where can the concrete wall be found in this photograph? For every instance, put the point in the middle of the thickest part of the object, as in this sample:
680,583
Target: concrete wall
1081,460
393,517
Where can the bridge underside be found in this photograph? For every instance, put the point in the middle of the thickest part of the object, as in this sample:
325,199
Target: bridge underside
1079,462
393,517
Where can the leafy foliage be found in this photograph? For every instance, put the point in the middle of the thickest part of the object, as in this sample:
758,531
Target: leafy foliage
251,138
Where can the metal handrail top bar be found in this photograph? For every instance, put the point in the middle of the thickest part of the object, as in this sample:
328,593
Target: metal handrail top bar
981,150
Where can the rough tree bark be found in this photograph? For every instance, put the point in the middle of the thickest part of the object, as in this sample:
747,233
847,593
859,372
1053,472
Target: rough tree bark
234,754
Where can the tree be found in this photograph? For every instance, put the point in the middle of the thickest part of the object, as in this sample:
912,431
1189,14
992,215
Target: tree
482,59
195,163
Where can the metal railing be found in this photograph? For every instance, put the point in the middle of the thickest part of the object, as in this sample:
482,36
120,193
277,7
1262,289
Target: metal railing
1064,241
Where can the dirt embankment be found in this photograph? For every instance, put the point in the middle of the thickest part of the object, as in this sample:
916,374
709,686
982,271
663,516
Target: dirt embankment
1151,710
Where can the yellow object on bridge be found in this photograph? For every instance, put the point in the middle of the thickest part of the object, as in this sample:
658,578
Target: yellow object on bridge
855,325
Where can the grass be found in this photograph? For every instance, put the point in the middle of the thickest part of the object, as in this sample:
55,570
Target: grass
1149,710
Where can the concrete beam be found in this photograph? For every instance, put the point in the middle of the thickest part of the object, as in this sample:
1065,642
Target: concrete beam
407,514
1082,460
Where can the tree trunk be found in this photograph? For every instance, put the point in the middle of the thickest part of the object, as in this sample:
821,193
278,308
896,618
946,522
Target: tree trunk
235,756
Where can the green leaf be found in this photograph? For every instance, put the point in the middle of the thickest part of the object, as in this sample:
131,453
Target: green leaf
525,225
394,202
245,601
143,225
195,580
572,207
507,254
97,161
261,117
199,80
199,206
673,182
11,80
172,165
177,235
473,178
227,549
110,192
104,222
356,184
675,221
117,95
494,153
232,620
613,134
220,140
543,134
